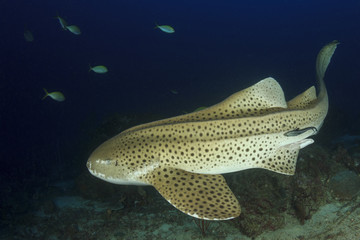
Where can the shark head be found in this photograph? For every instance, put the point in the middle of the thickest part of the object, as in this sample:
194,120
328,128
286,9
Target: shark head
183,157
102,161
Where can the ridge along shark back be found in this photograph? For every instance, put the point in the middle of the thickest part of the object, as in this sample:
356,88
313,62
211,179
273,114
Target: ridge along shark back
183,157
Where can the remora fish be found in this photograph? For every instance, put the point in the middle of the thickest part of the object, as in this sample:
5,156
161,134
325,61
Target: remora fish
183,156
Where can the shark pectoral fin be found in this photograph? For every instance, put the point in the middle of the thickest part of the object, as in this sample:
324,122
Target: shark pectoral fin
202,196
285,157
303,100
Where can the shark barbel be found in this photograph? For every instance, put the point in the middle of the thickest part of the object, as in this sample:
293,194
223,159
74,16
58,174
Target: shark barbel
183,157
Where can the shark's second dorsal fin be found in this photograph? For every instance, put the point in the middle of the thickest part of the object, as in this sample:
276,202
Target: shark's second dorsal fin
303,100
202,196
261,98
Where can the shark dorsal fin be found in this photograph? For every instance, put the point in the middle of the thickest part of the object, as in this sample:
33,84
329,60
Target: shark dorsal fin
303,100
261,98
252,101
204,196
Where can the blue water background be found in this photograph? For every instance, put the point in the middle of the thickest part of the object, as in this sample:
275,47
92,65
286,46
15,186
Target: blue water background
219,47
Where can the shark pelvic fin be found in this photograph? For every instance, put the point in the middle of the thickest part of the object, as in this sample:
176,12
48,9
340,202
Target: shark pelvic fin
285,157
203,196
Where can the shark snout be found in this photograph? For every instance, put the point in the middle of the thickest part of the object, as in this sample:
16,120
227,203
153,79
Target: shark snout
100,161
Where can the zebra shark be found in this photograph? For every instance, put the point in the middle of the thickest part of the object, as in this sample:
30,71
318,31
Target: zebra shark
183,157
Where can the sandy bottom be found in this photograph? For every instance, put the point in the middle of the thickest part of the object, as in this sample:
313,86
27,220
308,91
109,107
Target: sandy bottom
78,218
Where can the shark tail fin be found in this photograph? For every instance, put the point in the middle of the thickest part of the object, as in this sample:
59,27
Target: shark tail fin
322,62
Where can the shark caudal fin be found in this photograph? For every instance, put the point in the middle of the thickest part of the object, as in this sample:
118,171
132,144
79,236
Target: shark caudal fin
322,62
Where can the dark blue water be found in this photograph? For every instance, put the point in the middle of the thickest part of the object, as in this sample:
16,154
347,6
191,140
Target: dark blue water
219,47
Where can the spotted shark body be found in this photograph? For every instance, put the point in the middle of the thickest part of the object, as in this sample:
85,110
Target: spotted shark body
183,157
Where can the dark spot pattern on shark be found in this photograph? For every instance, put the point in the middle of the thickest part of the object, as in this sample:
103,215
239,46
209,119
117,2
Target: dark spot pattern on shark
183,157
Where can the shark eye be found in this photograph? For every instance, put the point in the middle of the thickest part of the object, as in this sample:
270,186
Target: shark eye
297,132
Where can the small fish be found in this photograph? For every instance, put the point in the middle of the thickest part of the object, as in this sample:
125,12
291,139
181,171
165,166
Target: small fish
29,37
165,28
57,96
99,69
74,29
174,92
62,22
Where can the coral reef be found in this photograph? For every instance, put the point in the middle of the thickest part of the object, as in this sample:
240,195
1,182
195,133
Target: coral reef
351,161
267,197
345,185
